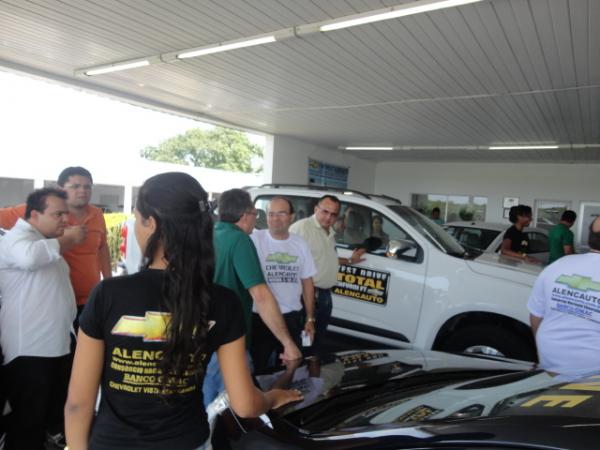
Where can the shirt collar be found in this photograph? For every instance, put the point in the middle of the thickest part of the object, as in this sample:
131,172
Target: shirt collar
22,224
227,226
316,223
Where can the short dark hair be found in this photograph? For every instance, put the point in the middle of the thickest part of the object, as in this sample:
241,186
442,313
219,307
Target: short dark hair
594,237
71,171
569,216
285,199
36,201
233,204
518,210
436,209
333,198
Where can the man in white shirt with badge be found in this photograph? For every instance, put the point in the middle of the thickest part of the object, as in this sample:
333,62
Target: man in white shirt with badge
36,315
564,311
288,267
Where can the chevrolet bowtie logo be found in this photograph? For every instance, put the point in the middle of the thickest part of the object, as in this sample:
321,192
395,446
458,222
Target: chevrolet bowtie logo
151,327
578,282
281,258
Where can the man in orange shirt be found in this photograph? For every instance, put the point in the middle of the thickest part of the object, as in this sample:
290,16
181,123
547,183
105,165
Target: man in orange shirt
84,243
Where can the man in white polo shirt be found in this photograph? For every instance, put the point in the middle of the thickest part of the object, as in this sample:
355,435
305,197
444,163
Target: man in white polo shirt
318,232
36,315
565,312
288,268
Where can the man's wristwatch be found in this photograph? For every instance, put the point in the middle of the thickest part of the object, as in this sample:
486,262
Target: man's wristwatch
310,319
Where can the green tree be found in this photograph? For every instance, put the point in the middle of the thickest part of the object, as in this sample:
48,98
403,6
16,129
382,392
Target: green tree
218,148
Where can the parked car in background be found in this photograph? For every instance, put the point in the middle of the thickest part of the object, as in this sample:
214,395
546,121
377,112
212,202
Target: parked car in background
487,237
407,399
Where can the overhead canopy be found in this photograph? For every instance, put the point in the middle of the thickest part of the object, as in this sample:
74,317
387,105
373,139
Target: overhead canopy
441,85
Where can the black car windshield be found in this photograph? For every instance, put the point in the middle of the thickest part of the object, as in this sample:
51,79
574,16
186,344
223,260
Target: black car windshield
429,230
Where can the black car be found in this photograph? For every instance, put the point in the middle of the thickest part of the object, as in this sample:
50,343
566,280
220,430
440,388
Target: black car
408,399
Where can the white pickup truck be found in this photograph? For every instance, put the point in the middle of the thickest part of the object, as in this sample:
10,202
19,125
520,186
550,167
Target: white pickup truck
428,294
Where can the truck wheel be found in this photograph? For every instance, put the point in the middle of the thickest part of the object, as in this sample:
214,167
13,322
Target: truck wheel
489,340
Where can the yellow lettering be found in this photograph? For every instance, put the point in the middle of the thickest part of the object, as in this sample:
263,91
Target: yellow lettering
551,401
370,283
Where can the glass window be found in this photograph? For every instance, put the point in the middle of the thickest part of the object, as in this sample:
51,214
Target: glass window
538,242
357,223
453,208
303,207
429,230
548,212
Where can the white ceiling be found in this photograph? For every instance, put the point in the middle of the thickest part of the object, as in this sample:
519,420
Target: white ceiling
449,82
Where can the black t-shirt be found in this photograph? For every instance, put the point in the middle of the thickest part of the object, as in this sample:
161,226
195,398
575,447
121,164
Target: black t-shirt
518,240
125,313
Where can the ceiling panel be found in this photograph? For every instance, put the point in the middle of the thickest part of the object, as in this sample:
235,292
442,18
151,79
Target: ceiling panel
500,71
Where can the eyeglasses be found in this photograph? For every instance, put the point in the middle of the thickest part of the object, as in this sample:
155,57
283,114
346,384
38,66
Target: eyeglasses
85,187
280,214
252,213
327,212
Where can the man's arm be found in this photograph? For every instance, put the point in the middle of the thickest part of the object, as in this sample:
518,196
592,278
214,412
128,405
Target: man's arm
535,322
568,249
355,258
308,296
568,244
269,312
30,255
104,259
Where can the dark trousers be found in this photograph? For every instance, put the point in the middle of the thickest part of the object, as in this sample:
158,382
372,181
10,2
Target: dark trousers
323,308
37,391
266,348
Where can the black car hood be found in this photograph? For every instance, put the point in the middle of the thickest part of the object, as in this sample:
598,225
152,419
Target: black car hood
402,397
327,376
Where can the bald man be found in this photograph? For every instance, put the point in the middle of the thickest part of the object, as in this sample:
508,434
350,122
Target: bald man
564,311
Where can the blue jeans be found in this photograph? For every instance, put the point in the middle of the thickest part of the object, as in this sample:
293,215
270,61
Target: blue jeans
213,379
323,307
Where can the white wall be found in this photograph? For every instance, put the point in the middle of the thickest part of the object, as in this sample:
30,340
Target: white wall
14,191
290,163
529,182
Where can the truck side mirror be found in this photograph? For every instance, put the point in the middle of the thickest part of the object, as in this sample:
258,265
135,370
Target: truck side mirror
398,247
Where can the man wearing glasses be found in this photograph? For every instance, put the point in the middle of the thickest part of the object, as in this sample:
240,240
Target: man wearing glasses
288,267
83,244
237,267
318,231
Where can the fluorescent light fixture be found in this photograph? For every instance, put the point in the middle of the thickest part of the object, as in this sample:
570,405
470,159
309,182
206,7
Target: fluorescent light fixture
116,67
393,13
368,148
224,47
523,147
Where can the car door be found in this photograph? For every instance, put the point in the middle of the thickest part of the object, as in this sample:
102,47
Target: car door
380,295
539,246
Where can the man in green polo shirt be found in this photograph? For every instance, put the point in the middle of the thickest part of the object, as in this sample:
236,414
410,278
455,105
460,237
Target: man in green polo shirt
238,268
561,237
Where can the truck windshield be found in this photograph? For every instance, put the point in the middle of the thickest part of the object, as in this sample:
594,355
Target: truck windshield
429,230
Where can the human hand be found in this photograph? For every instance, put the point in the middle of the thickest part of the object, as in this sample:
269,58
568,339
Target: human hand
291,365
290,352
76,234
309,327
281,397
357,255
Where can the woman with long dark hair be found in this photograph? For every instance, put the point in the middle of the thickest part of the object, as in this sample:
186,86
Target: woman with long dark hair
146,338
